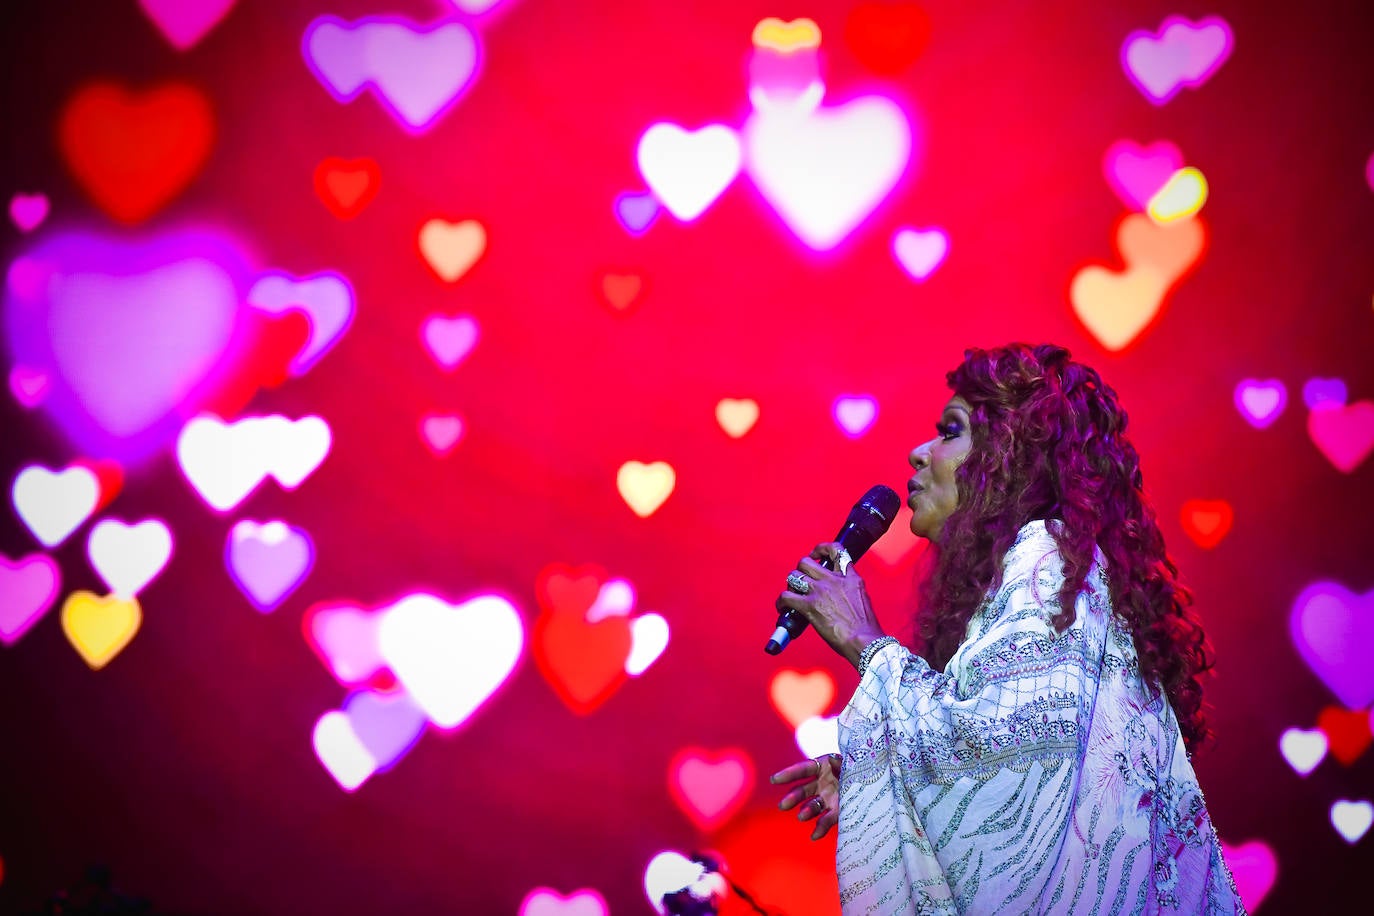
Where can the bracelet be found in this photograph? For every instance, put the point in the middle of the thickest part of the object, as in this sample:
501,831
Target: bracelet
872,649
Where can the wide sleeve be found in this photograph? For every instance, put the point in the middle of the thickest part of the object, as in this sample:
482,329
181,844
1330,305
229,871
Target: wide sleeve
943,768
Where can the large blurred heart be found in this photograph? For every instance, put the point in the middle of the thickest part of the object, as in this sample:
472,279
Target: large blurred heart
225,462
1347,732
133,152
1181,53
417,72
134,335
887,38
185,22
1343,432
583,662
450,659
267,562
797,697
825,172
99,628
1136,173
710,787
53,504
1255,868
28,587
1333,630
688,170
347,186
645,487
1207,521
325,298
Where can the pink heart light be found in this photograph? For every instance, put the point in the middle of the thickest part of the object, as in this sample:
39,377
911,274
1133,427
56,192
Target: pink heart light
450,659
1261,402
345,639
449,339
1255,868
920,251
855,414
825,172
1180,54
1333,630
441,432
710,787
28,587
28,211
1343,432
325,298
545,901
1137,173
28,386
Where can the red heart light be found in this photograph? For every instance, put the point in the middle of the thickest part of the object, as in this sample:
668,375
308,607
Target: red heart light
1347,732
583,662
887,38
1207,521
563,590
347,186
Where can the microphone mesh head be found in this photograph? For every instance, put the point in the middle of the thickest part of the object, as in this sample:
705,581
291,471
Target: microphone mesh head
882,501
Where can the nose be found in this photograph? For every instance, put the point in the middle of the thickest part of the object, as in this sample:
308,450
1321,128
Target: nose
920,456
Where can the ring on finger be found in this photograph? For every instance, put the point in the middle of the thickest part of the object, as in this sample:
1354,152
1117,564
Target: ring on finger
818,804
796,582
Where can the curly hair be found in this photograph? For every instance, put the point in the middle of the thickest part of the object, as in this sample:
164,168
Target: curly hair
1049,441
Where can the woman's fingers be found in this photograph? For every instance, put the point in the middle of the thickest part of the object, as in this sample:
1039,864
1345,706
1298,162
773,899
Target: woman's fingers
827,820
799,794
806,769
813,569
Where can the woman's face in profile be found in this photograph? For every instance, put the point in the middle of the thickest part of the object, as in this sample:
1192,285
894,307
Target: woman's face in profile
931,492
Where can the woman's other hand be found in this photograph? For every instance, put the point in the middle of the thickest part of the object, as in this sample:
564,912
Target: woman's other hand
816,789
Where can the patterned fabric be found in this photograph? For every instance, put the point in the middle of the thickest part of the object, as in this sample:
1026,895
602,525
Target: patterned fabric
1036,774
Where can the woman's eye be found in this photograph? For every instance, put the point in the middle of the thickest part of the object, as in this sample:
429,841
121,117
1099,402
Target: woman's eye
947,431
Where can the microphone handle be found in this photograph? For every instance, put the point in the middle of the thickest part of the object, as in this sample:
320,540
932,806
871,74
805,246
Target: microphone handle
792,624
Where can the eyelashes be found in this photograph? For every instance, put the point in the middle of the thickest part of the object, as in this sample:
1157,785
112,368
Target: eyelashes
947,431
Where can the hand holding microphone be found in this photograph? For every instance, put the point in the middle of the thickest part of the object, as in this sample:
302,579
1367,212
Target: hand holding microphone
825,593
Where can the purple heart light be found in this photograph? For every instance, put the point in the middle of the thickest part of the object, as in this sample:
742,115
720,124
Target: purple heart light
1333,630
1261,402
268,562
133,337
1181,54
387,724
417,73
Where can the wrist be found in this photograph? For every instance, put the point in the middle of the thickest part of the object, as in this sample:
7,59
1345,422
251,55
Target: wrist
871,648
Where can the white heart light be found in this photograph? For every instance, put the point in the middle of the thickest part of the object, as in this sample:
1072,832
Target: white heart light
128,557
615,599
668,873
819,735
648,639
450,659
1352,819
688,170
825,173
341,751
225,462
53,504
1303,749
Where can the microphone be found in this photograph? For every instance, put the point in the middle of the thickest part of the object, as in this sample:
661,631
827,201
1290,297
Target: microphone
868,520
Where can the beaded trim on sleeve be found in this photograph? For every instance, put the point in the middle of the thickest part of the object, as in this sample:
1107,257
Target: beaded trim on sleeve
871,650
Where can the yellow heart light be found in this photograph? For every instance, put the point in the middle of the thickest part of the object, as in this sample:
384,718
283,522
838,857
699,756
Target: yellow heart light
737,415
776,35
1181,197
99,628
644,487
452,248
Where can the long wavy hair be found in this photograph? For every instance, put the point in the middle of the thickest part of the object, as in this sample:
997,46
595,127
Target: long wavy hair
1049,441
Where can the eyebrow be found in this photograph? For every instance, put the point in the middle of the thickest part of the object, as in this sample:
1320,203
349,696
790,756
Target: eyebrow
949,408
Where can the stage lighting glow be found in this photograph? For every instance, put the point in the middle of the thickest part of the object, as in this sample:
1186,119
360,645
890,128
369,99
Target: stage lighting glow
688,170
53,504
268,561
452,249
325,298
1181,54
667,873
797,697
645,487
224,462
99,627
128,557
1181,197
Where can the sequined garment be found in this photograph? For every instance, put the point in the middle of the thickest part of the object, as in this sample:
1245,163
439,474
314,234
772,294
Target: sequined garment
1036,774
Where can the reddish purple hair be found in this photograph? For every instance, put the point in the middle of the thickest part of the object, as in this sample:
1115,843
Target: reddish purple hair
1049,441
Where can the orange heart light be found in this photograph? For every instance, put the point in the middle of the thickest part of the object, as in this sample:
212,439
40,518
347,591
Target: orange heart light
798,697
776,35
621,290
737,415
99,628
451,249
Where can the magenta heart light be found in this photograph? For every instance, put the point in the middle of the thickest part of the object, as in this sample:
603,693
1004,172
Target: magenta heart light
1255,868
417,73
920,251
1329,391
268,562
326,299
28,211
185,22
1344,433
449,339
345,639
28,587
1137,173
1333,631
28,386
1181,54
1261,402
825,172
133,336
387,724
545,901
